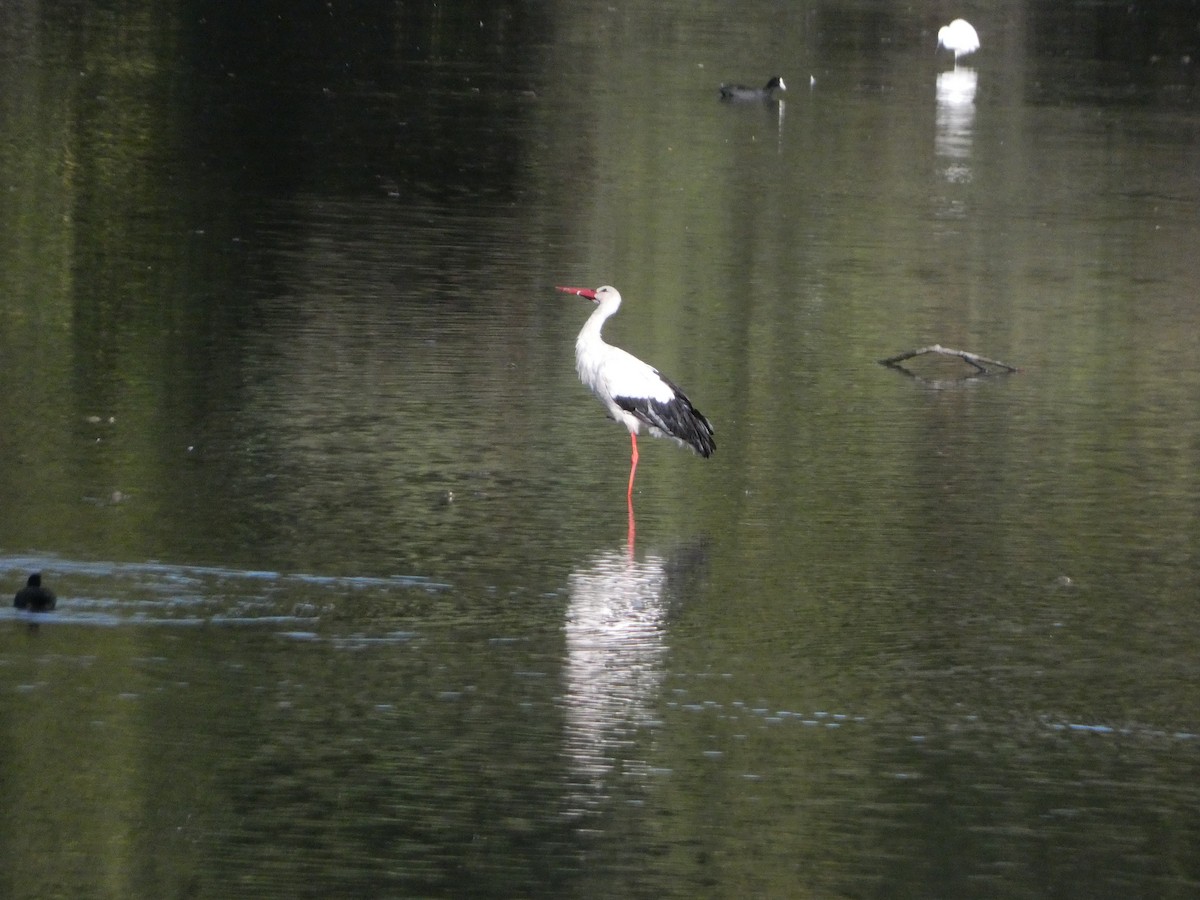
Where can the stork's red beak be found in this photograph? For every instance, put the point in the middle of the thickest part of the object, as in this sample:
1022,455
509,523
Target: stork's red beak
582,292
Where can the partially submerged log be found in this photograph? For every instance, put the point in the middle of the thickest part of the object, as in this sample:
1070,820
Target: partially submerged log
981,364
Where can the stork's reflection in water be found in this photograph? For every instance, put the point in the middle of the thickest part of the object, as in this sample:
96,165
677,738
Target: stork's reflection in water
617,628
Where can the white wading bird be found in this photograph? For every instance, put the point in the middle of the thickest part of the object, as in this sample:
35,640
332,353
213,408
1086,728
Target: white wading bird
960,37
634,393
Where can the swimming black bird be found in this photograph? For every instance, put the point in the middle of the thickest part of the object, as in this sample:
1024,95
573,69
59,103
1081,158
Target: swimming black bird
34,597
767,92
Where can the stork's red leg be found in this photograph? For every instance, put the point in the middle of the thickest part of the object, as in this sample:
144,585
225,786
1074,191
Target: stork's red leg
632,533
632,465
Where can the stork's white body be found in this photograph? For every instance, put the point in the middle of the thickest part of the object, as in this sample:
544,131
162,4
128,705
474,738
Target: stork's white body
635,394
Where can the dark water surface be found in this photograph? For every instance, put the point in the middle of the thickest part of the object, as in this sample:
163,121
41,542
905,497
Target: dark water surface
289,420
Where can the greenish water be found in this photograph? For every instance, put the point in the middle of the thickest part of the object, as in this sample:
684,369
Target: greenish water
289,420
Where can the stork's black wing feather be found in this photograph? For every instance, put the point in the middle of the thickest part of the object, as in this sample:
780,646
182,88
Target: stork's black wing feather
675,418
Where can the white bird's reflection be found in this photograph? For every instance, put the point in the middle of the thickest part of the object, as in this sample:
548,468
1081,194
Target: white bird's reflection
955,121
616,644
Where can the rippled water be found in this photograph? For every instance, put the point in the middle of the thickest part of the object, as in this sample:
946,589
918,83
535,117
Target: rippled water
349,599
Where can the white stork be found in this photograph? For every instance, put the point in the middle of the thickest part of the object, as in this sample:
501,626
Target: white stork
635,393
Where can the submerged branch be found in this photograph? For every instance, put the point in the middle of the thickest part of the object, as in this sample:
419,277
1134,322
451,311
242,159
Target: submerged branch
982,364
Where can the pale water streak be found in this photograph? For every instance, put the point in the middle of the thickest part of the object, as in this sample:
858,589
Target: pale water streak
616,646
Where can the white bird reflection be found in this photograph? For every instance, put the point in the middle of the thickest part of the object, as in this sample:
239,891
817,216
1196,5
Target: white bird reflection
955,121
616,643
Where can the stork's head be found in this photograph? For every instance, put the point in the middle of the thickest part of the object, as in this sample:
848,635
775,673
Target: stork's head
607,293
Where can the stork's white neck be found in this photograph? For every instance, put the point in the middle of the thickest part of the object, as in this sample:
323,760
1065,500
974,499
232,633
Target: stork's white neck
608,301
599,316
